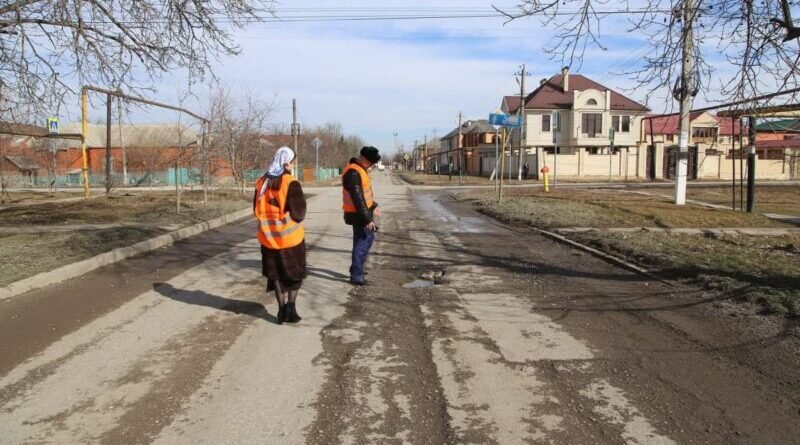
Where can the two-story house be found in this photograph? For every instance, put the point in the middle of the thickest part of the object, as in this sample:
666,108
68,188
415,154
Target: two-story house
584,122
477,143
711,140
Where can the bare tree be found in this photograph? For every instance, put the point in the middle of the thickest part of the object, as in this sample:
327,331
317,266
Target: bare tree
237,131
50,47
749,47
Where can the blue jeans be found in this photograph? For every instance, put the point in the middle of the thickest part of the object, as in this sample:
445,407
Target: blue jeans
362,242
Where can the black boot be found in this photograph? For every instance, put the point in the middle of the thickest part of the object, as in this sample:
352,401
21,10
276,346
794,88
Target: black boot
291,313
281,314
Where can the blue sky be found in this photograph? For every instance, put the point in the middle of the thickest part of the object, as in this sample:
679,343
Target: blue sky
406,76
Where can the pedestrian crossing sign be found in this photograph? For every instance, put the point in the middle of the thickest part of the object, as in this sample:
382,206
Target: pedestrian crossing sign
52,125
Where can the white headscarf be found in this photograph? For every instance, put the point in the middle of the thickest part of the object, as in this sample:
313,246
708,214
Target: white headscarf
284,155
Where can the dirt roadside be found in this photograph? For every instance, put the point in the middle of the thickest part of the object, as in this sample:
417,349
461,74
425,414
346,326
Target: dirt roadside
756,260
702,369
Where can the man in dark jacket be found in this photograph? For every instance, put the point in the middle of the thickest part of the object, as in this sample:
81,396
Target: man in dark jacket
360,209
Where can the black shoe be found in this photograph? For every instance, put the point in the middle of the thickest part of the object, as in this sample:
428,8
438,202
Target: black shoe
281,314
359,283
291,313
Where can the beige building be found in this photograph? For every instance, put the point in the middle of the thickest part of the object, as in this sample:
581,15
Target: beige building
716,148
595,130
570,120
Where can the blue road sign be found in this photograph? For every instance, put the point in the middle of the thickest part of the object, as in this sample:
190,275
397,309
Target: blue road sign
52,125
514,121
505,120
498,118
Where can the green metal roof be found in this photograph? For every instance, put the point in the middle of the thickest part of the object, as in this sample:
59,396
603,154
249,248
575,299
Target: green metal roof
780,125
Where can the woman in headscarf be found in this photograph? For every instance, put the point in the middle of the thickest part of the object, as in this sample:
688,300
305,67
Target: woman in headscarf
280,207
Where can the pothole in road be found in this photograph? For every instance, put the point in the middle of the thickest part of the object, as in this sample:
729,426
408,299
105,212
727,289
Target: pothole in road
427,279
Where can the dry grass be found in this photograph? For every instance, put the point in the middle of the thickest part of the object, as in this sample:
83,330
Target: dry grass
774,198
32,196
606,208
157,208
445,180
24,255
762,269
784,200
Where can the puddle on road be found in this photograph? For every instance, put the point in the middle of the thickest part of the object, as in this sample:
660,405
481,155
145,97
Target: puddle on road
418,284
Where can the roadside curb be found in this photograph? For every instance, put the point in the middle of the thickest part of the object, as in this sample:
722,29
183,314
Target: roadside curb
598,253
79,268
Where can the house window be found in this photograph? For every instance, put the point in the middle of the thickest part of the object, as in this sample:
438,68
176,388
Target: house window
592,124
545,123
621,123
704,133
591,102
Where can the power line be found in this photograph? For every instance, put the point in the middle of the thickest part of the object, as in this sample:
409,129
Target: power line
332,15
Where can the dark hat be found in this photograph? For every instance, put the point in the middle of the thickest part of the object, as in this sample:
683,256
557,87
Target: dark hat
371,154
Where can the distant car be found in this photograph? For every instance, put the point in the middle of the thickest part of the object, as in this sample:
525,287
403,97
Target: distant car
381,167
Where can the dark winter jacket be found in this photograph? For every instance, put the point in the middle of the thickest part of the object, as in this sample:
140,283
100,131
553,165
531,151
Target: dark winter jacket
363,214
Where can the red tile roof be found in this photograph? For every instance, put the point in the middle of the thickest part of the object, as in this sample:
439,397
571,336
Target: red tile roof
669,123
551,95
786,143
513,103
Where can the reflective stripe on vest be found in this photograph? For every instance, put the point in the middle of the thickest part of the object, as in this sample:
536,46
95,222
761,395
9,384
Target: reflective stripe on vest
276,228
366,185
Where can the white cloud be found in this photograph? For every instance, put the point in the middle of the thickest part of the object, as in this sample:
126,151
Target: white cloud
405,76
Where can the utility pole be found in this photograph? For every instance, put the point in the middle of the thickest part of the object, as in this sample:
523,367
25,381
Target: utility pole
425,155
395,133
521,111
556,124
502,167
415,155
460,168
751,164
122,144
295,134
108,144
686,90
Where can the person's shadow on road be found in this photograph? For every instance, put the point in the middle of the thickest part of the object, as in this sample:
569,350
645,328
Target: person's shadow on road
200,298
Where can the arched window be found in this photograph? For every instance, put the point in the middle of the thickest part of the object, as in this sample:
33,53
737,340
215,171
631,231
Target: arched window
591,102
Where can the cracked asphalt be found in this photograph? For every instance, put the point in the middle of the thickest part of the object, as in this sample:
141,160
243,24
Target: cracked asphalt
522,340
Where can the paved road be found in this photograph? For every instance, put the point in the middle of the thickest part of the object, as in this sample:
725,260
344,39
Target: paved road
524,341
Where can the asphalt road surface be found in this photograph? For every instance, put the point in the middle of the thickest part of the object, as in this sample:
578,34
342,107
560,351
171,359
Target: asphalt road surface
521,341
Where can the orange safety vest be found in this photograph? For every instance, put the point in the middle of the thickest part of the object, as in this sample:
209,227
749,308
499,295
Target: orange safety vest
276,229
366,184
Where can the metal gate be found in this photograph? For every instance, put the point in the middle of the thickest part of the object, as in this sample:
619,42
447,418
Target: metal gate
671,161
650,169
